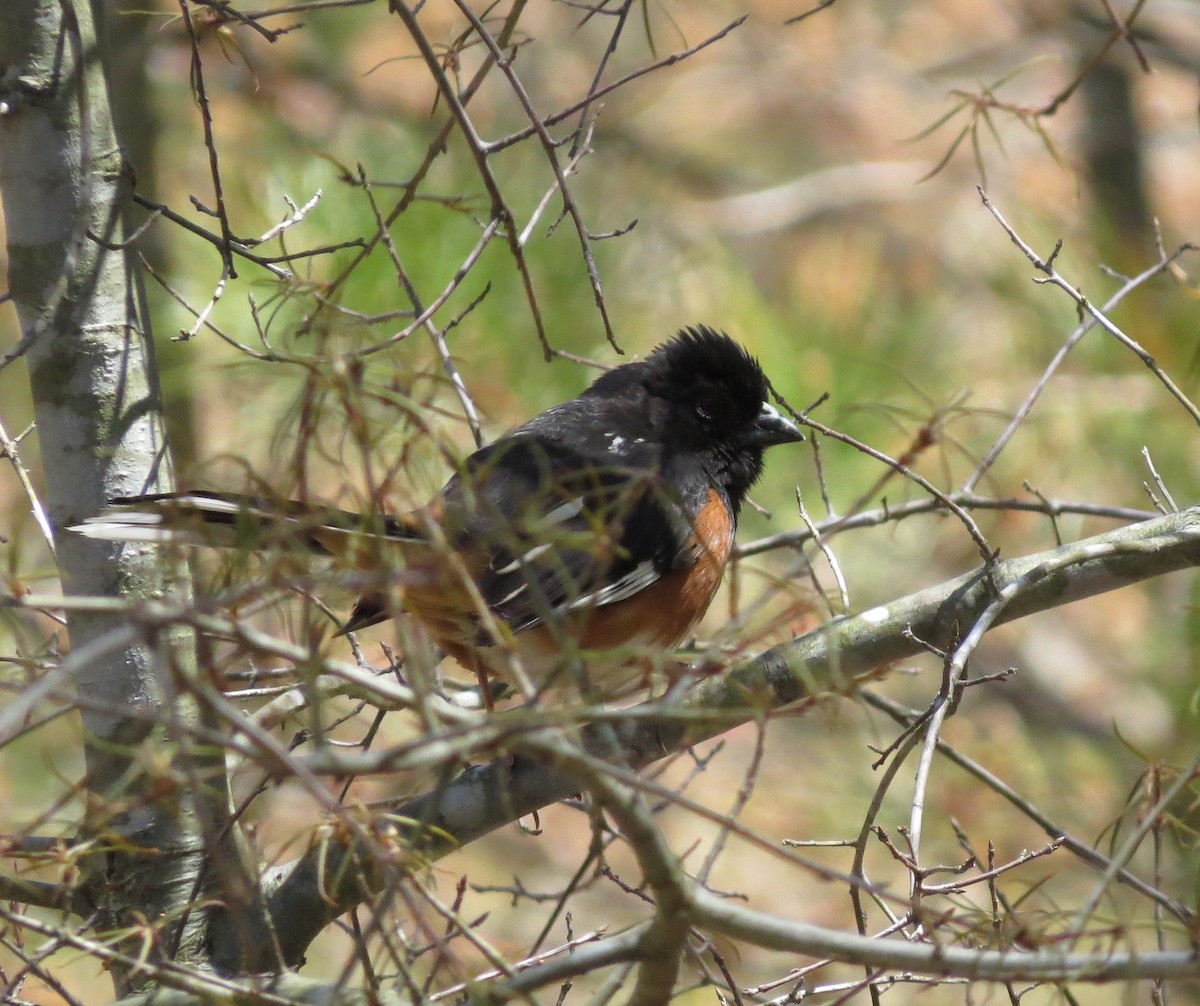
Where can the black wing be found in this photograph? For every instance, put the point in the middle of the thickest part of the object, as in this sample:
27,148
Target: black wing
561,528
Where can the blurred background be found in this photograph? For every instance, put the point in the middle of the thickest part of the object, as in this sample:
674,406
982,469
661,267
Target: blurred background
810,187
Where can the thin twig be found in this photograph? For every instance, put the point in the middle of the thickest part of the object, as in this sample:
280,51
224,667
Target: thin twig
210,145
8,449
1085,307
896,512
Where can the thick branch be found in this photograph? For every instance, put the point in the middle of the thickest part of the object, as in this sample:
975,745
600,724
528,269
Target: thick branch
761,930
42,893
329,881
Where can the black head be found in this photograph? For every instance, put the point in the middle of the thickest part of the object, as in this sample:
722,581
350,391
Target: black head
710,396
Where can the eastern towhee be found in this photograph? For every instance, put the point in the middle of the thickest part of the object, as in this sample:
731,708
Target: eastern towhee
586,542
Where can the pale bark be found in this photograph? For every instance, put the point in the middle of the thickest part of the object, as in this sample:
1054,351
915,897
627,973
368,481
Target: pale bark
85,342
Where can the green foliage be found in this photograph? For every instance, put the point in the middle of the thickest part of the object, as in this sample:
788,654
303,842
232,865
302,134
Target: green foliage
903,301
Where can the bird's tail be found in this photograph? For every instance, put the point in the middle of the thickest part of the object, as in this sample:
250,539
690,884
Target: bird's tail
254,523
219,520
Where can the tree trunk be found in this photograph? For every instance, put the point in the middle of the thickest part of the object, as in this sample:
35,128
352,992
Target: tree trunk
86,343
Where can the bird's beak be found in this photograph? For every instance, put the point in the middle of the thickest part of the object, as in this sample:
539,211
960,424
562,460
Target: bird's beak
771,428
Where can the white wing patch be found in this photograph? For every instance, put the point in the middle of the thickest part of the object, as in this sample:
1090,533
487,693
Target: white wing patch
517,563
633,582
565,511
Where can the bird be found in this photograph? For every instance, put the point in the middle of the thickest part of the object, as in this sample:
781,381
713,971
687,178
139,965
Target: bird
575,551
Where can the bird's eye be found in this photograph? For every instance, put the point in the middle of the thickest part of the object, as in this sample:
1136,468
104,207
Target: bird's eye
703,413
